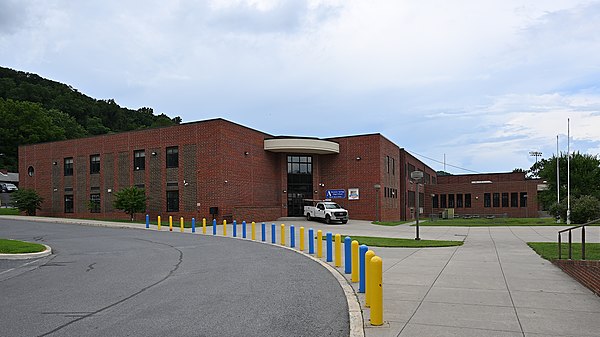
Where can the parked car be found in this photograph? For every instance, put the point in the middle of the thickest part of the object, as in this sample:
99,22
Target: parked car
8,187
326,210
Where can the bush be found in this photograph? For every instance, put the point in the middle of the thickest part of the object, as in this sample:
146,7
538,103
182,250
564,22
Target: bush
27,200
583,209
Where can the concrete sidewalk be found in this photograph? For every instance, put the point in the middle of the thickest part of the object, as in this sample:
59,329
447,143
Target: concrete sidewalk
493,285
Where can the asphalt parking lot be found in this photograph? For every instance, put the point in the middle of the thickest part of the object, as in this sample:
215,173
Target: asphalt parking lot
122,282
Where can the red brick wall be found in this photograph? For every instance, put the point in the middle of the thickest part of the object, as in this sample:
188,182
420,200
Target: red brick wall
586,272
409,161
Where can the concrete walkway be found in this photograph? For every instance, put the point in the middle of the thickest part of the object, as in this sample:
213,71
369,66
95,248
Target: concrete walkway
493,285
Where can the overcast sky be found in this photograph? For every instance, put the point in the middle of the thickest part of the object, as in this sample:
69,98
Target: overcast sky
483,82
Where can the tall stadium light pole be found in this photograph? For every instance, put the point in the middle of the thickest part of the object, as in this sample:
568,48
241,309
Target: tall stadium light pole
568,171
535,154
417,176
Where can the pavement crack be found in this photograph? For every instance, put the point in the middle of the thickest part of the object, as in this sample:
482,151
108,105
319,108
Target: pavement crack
90,267
169,274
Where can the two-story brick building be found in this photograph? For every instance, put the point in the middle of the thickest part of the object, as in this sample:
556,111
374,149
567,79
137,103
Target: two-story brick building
217,168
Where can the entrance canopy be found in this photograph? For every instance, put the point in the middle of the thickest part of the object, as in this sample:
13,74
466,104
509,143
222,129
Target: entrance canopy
301,145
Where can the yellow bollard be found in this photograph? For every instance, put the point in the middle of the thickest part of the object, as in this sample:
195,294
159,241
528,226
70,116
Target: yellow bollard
338,250
354,249
181,223
377,291
301,239
283,234
319,243
170,223
224,227
253,231
368,282
203,225
159,222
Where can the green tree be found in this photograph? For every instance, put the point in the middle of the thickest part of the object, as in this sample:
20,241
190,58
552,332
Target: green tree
131,200
585,177
27,200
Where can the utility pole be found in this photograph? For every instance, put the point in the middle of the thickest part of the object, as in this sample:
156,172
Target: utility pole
557,176
568,171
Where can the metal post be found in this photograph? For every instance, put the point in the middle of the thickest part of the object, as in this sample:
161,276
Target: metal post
263,234
193,225
559,246
329,247
273,235
347,255
362,251
292,236
570,242
311,241
583,243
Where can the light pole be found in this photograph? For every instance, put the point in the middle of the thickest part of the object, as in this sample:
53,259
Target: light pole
535,154
417,176
377,188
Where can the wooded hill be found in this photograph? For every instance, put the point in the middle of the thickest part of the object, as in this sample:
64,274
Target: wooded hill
34,109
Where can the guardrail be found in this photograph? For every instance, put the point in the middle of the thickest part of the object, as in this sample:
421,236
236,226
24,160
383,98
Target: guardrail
570,230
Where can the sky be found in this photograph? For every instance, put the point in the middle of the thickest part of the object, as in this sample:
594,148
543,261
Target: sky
479,82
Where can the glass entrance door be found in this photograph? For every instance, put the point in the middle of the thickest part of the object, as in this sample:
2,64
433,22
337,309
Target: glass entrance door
300,187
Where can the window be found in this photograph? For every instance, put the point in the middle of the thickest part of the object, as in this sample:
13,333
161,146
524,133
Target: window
426,178
68,166
459,200
523,199
433,180
487,200
443,201
387,163
172,201
504,199
468,200
300,165
393,167
435,201
411,198
450,200
514,199
30,171
68,203
496,200
172,157
139,160
95,164
411,168
95,203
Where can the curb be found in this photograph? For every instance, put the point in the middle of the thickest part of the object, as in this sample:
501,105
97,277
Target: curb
26,256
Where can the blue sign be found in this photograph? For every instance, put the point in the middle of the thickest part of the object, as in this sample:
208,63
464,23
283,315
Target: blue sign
335,194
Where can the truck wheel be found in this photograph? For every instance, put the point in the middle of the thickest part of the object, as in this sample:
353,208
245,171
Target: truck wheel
344,222
307,216
327,219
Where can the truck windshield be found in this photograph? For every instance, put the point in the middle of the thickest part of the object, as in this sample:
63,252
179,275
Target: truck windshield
332,206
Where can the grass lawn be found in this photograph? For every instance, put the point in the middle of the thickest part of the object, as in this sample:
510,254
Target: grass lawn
9,211
19,247
483,222
375,241
390,223
549,250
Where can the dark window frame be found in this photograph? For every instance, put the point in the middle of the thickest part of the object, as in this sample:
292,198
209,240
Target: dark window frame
487,200
69,206
505,199
139,160
523,199
467,200
459,200
451,201
435,201
514,199
95,203
496,199
172,156
173,201
443,203
94,164
68,166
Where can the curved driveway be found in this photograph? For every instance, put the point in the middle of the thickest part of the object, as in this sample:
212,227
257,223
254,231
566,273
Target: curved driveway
122,282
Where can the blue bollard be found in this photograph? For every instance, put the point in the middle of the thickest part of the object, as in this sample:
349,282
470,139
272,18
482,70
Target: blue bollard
214,226
292,237
234,228
147,221
348,255
311,241
362,250
329,247
273,238
244,229
263,232
193,225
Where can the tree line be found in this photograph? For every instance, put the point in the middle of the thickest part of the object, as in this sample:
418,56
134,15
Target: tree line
34,109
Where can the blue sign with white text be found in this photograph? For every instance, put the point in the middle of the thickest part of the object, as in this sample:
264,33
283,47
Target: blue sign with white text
335,194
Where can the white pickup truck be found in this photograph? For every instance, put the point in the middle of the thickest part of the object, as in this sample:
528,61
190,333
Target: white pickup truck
328,210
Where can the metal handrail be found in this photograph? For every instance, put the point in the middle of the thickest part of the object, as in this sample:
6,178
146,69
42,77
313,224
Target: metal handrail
570,239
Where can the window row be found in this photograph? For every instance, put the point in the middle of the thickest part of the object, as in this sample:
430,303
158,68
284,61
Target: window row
452,201
390,192
94,202
514,199
139,161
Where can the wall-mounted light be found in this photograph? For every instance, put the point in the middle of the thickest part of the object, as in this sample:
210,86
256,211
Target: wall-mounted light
154,153
54,163
358,158
55,190
109,190
226,181
246,153
185,183
316,192
284,191
321,184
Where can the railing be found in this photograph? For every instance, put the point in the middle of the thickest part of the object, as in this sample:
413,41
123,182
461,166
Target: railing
571,240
